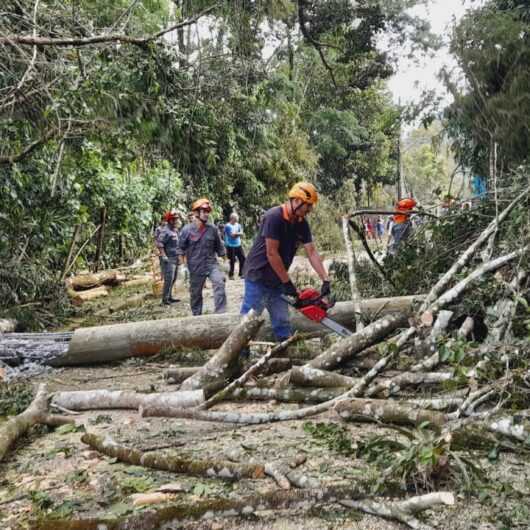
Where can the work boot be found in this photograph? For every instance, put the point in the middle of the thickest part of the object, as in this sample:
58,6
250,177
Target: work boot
165,302
174,300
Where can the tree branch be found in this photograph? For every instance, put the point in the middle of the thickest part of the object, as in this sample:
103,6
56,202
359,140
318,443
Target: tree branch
27,40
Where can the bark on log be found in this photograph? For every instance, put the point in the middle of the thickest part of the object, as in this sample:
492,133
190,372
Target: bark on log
36,413
290,394
175,464
309,376
80,297
82,282
120,341
393,385
221,366
387,411
123,399
347,348
132,301
216,507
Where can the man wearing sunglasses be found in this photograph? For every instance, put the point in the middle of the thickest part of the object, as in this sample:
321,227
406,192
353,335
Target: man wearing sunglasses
201,244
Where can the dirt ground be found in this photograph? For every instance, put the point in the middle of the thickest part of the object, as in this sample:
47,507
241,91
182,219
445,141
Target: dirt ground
53,474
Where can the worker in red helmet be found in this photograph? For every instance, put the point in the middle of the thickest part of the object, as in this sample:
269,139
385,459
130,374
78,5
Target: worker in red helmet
200,243
167,244
402,223
283,229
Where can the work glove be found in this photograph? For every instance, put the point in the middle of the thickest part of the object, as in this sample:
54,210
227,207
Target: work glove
325,290
289,289
164,258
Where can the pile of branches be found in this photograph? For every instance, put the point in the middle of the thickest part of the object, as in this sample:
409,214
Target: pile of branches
424,375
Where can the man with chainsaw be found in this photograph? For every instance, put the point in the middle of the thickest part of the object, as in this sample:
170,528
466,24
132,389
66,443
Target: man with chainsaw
200,243
282,230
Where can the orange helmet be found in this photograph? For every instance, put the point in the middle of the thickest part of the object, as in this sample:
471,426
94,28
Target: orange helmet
203,202
168,216
305,191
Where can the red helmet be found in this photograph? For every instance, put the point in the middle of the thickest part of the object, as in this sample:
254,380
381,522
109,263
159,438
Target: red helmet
169,216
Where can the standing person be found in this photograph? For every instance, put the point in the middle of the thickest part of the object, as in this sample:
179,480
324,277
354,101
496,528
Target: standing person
167,244
283,229
200,243
233,233
379,228
402,224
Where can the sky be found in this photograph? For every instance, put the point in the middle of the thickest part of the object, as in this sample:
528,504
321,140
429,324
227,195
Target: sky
411,79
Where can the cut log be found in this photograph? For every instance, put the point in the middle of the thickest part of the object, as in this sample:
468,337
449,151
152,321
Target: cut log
221,366
386,411
347,348
309,376
177,374
123,399
138,282
36,413
120,341
7,325
175,464
82,282
80,297
132,301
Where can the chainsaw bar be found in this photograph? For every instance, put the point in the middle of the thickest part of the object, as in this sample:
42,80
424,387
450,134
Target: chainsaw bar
336,327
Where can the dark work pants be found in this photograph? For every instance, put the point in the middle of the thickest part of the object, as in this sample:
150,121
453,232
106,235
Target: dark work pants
169,273
233,253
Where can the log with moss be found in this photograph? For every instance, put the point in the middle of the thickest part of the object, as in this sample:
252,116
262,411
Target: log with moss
167,462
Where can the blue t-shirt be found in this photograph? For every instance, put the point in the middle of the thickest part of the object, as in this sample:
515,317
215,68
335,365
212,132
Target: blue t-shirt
230,240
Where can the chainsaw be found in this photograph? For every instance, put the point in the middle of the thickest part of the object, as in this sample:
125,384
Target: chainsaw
314,307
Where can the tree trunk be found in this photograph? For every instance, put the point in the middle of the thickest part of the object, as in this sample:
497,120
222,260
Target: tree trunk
345,349
387,411
123,399
221,366
82,282
167,462
136,339
75,235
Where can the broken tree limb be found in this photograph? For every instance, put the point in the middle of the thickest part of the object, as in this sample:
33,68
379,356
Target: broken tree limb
36,413
393,385
221,366
442,283
285,476
466,328
132,301
355,297
251,372
268,417
345,349
403,511
124,399
387,411
175,464
289,394
134,339
177,374
308,376
213,507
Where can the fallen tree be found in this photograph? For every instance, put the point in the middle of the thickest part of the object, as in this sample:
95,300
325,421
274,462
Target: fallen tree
137,339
